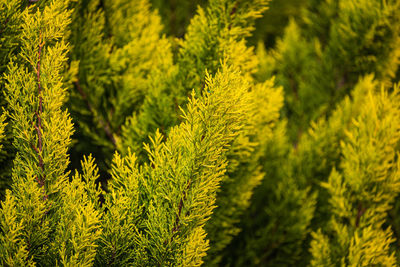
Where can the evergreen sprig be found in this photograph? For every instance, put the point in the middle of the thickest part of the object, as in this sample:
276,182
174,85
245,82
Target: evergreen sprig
45,218
364,187
174,194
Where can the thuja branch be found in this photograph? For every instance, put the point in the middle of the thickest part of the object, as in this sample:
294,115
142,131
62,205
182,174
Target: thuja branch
180,206
104,124
360,212
38,126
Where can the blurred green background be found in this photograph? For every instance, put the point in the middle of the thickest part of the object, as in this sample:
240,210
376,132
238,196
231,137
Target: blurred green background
176,15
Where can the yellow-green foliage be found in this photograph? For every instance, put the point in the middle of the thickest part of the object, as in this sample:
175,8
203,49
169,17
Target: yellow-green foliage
318,61
364,186
11,15
321,56
291,171
4,155
143,53
45,219
318,151
174,194
215,33
35,95
78,227
90,51
205,171
244,170
274,235
121,55
36,80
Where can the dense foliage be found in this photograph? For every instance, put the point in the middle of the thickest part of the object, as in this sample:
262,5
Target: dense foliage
188,133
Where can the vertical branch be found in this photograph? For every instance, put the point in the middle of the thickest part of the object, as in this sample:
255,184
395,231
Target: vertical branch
360,212
38,126
177,219
180,206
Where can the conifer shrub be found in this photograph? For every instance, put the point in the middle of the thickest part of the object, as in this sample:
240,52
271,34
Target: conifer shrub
152,133
323,53
309,145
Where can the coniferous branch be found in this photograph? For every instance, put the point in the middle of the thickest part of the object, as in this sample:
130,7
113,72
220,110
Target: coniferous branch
364,187
190,193
89,51
11,13
213,35
63,226
244,170
321,56
316,150
123,40
38,126
10,21
79,227
221,18
297,169
21,88
175,193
